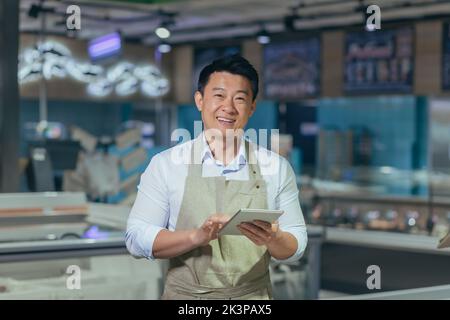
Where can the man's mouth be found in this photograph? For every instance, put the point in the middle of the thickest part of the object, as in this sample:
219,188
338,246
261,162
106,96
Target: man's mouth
225,120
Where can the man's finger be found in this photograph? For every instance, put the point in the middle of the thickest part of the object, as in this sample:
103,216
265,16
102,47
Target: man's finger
222,218
269,227
262,236
250,236
263,225
213,235
256,229
275,227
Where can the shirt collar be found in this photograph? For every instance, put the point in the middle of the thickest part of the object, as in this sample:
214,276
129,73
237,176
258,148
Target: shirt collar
236,164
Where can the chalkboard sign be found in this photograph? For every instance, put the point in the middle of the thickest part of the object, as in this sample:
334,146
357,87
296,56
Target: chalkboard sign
379,61
204,56
446,57
292,69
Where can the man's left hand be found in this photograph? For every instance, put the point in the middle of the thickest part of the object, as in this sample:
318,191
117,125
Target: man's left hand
260,232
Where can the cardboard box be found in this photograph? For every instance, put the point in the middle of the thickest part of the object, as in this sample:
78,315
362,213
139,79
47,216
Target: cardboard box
134,159
128,138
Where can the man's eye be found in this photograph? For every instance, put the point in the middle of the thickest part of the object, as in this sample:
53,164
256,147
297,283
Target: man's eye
240,98
218,95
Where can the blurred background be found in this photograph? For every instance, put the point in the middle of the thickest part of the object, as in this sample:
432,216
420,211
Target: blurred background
90,91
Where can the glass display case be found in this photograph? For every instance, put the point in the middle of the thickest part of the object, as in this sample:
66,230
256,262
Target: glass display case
384,199
386,217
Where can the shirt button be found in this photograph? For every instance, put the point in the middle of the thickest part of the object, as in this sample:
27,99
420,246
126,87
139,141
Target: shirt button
257,187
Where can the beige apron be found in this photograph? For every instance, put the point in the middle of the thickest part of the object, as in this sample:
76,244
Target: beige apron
230,267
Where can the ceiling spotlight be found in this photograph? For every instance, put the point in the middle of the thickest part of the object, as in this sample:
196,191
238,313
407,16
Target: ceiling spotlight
370,27
164,47
289,19
162,32
362,8
34,10
263,37
289,22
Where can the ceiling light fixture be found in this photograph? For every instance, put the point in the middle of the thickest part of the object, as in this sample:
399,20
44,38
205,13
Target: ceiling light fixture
263,36
162,32
164,47
365,16
289,20
34,10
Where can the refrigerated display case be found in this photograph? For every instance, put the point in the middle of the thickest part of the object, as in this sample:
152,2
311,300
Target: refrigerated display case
365,224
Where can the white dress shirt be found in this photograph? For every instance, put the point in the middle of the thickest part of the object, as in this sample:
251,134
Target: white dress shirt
161,189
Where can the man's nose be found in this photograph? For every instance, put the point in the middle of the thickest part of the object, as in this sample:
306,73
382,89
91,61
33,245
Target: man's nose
228,106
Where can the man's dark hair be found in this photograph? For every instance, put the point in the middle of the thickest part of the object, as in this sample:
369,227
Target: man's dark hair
234,64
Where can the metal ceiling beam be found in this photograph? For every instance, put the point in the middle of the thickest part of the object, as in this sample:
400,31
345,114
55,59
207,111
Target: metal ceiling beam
394,10
439,8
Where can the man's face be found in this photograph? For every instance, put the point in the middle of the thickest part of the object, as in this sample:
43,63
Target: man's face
226,103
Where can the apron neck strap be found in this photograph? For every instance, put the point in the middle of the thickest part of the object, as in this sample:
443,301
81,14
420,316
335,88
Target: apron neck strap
195,165
252,161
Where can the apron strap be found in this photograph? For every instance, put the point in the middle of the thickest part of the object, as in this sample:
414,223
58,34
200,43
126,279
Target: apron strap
252,161
205,292
220,193
195,164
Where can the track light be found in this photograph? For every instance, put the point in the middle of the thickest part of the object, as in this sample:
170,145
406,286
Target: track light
370,27
263,37
162,32
289,22
34,10
164,47
362,8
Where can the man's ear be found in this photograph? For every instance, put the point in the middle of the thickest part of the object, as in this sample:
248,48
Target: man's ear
198,97
252,108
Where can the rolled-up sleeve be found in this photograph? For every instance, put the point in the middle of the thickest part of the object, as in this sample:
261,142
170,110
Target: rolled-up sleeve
150,211
292,220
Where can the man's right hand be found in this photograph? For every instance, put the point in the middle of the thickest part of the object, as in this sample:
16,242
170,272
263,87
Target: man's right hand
169,244
209,230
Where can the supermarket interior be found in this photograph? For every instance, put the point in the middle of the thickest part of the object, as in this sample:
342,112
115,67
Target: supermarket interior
356,94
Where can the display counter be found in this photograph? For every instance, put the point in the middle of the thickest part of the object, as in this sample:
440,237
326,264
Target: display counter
383,240
47,250
428,293
43,269
406,261
402,214
50,233
363,226
50,239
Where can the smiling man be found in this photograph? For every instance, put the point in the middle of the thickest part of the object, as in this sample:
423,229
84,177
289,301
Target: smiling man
181,207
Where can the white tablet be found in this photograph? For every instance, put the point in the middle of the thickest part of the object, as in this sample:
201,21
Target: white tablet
249,215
